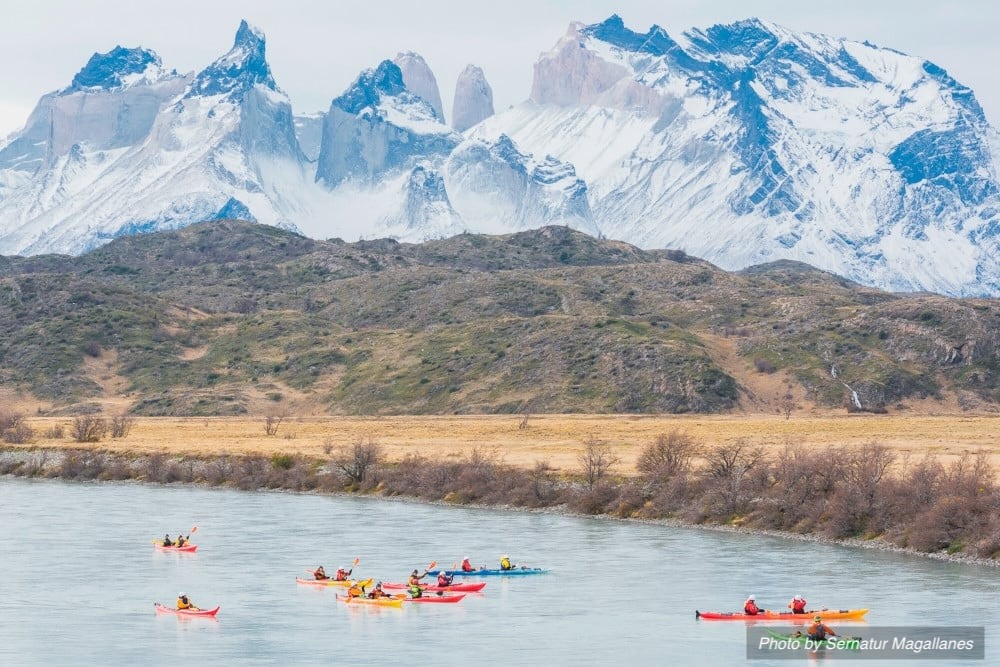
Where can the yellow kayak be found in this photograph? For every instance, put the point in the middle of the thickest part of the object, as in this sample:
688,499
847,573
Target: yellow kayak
364,583
381,602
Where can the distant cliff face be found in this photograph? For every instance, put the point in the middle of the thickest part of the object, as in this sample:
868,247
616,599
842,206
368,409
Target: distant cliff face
473,99
420,80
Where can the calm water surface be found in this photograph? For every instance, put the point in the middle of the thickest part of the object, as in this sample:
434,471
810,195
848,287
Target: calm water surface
80,577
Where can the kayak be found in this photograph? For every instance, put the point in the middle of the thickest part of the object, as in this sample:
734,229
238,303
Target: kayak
485,572
801,641
471,587
332,582
380,602
786,616
185,612
186,548
457,597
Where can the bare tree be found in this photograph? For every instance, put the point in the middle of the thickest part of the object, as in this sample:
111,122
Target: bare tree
358,460
88,428
14,430
729,465
271,423
121,426
667,456
596,460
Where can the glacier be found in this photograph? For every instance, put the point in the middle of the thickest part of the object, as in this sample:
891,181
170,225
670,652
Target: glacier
742,144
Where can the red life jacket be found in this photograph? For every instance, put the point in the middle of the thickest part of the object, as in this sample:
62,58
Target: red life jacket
341,575
750,607
443,580
466,566
798,606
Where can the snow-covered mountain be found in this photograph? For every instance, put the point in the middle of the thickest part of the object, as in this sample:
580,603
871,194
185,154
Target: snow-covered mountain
741,143
749,143
473,99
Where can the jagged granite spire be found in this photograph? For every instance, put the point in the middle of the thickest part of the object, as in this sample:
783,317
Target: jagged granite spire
473,99
243,67
419,79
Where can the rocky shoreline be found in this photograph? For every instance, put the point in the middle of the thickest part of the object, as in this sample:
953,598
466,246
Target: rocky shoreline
105,467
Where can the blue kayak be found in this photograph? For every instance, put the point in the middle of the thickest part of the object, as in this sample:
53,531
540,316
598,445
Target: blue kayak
484,572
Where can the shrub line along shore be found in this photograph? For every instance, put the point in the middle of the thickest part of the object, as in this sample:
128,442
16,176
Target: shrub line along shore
933,501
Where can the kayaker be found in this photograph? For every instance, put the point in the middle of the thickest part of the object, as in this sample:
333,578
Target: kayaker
320,574
343,573
414,589
750,607
415,578
818,630
180,540
466,565
377,592
505,563
356,590
798,605
184,603
445,579
166,541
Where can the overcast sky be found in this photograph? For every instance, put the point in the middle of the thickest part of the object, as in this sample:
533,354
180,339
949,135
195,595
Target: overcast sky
317,47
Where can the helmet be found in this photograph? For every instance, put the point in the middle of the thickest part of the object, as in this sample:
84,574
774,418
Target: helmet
797,597
465,558
817,617
378,585
415,572
182,595
752,597
505,556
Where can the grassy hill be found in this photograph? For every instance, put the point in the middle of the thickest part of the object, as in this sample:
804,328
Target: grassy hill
229,318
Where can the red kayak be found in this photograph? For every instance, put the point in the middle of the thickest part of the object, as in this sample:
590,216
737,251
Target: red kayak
437,598
785,616
162,609
472,587
187,548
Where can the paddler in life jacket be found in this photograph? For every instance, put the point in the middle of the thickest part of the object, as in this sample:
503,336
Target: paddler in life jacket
818,631
414,589
750,607
343,574
505,563
466,565
798,605
444,579
166,541
377,592
415,578
320,574
184,603
356,590
180,540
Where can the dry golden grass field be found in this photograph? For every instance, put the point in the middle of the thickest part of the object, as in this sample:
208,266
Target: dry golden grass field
556,439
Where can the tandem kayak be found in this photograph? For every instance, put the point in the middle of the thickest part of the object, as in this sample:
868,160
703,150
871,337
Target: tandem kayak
801,641
785,616
379,602
485,572
162,609
457,597
332,582
187,548
471,587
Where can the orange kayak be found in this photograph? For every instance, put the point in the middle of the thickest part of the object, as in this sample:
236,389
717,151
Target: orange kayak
786,616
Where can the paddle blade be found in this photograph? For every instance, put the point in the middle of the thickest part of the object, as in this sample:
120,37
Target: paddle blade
357,560
432,564
194,529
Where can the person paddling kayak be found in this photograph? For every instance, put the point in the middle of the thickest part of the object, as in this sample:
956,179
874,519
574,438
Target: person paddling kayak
377,592
415,578
356,590
167,541
750,607
798,605
467,565
184,603
414,589
343,573
505,563
320,574
445,579
181,540
818,630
